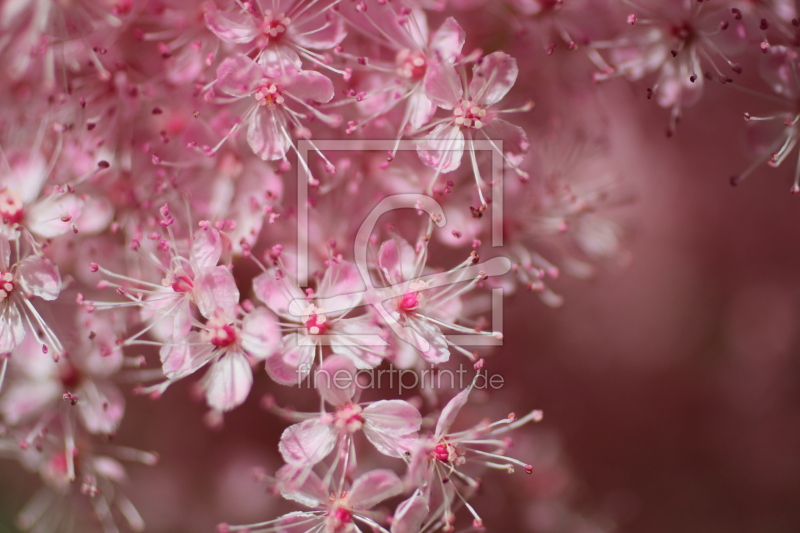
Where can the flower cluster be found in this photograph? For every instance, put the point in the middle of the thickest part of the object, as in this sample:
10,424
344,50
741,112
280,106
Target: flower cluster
297,195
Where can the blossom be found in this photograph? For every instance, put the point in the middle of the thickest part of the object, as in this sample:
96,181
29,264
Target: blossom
779,69
389,425
228,347
312,326
26,205
287,32
472,115
674,39
334,510
274,87
28,277
439,457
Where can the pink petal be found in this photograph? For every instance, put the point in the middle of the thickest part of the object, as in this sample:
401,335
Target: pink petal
776,69
448,40
54,215
261,336
421,109
267,135
27,178
206,249
391,426
227,383
373,487
318,32
12,332
361,340
308,85
307,443
410,514
277,292
22,400
216,294
418,330
39,276
676,89
336,380
293,363
492,78
442,84
515,141
96,214
179,359
276,59
397,260
394,417
343,281
239,76
450,412
236,27
442,148
100,407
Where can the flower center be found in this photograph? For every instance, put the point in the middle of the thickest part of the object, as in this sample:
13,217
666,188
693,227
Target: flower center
219,333
682,31
445,452
269,95
411,65
469,115
10,206
339,519
315,320
69,376
349,419
6,285
413,299
180,281
274,26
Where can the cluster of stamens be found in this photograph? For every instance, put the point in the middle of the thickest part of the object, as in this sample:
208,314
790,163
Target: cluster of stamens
339,519
269,95
10,207
469,115
220,333
411,65
445,452
315,320
6,285
413,299
180,281
348,418
274,26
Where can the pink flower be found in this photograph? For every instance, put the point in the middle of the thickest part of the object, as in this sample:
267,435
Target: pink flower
414,47
25,204
275,89
439,456
287,32
29,277
39,387
472,115
228,347
674,39
420,311
390,425
334,509
357,338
